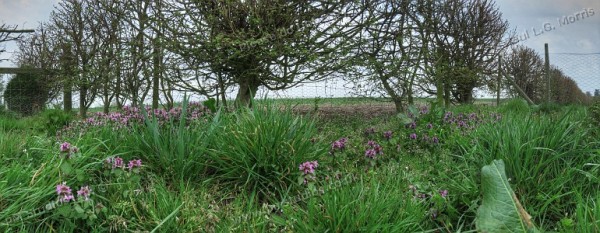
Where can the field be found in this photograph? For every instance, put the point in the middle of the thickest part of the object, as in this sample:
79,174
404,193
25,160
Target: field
303,167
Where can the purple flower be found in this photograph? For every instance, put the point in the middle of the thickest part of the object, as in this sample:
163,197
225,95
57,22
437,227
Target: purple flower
411,125
373,148
84,192
378,149
371,143
472,116
64,192
66,198
134,163
413,136
369,131
62,189
308,167
65,147
370,153
444,193
424,110
117,162
387,135
447,115
429,126
435,140
339,144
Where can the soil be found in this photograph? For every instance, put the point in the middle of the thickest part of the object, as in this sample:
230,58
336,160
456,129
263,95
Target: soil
367,110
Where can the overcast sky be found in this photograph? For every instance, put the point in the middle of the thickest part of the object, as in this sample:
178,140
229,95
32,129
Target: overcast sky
528,17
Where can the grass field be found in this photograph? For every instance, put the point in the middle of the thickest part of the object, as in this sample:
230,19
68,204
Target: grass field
275,170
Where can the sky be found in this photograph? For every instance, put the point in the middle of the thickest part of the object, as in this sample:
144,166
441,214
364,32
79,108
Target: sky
535,21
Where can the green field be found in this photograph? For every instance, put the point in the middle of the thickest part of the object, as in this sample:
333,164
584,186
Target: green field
273,170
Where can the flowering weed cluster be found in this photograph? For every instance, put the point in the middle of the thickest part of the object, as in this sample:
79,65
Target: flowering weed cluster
373,149
65,194
130,116
68,150
308,171
338,145
118,162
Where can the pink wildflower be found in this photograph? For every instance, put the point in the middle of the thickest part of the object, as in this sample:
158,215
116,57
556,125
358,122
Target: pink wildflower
308,167
64,192
84,192
65,147
134,163
117,162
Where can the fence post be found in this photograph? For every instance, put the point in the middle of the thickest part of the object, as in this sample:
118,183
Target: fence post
547,68
499,86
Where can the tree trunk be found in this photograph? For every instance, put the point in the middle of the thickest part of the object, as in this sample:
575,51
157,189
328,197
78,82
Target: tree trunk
410,97
68,96
155,74
247,89
398,104
221,91
388,89
465,93
439,86
446,94
107,100
82,98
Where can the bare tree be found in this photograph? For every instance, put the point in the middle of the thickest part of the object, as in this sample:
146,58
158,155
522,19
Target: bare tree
467,38
251,44
526,67
10,33
389,51
39,50
72,19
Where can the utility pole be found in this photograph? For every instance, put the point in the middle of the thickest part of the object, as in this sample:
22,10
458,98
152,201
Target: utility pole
547,68
499,85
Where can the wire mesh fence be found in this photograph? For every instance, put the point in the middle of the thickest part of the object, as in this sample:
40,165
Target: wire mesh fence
583,68
331,96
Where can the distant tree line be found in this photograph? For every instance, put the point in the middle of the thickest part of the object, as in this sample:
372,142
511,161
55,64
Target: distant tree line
126,52
526,67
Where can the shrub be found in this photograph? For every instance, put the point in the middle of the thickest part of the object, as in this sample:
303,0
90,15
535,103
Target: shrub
555,150
547,107
594,112
518,106
372,203
55,119
260,149
25,94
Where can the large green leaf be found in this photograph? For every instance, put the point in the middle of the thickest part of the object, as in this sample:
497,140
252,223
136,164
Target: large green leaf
500,210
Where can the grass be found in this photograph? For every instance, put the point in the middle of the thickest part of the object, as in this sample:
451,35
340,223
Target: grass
239,171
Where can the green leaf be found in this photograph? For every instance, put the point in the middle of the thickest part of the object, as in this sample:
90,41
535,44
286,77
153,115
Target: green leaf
404,119
66,168
64,210
78,209
414,110
500,210
211,104
80,175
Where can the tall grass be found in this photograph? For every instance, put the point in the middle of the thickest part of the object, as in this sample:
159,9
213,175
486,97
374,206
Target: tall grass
375,202
544,156
239,172
176,147
259,150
